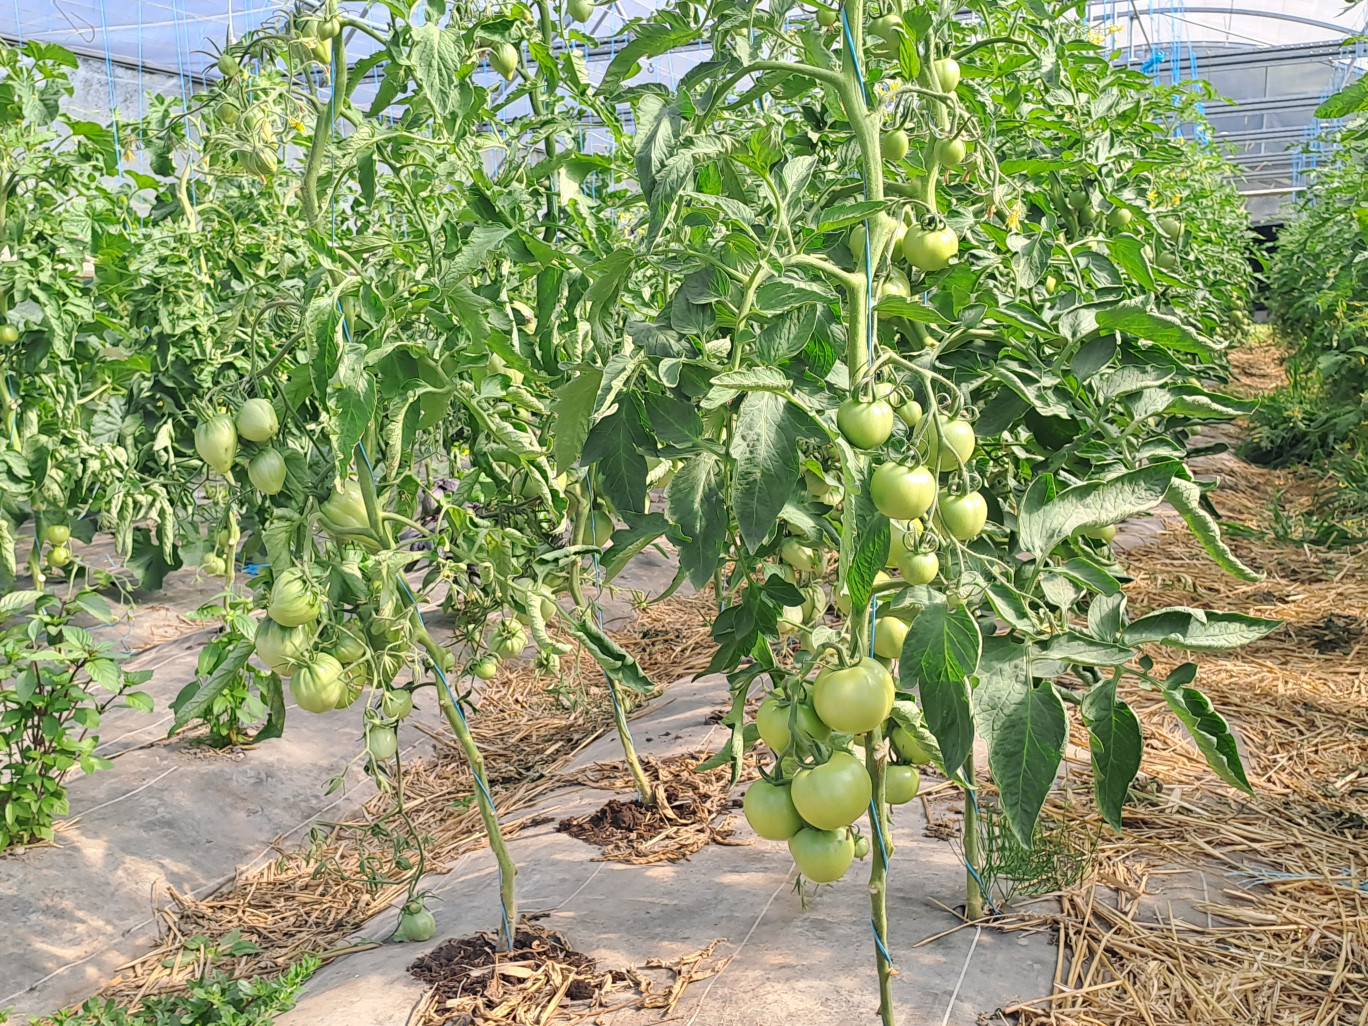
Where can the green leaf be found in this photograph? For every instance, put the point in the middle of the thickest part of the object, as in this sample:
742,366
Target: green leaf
1129,253
1185,496
765,448
1079,650
1045,522
845,214
1030,262
1192,401
195,698
785,335
628,541
1211,732
1349,100
1154,327
859,529
662,32
696,501
273,693
939,653
573,407
1025,755
778,296
1116,746
897,306
1197,630
753,378
620,667
614,446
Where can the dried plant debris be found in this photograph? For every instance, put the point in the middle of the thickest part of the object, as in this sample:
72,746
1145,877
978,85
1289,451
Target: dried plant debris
542,981
691,810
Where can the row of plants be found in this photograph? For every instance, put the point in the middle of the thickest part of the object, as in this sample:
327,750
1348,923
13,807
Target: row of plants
901,312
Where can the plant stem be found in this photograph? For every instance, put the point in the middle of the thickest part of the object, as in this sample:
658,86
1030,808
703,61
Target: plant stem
878,872
973,893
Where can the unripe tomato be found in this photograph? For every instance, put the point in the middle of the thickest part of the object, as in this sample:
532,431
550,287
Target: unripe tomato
1051,284
947,72
957,441
257,421
227,65
213,565
598,528
329,28
57,534
865,425
889,632
579,10
1080,200
1167,261
826,17
909,749
1119,218
317,685
900,536
772,720
295,600
919,567
902,492
930,250
951,152
216,442
485,667
382,742
396,704
1104,534
810,559
823,856
834,794
843,593
896,284
267,471
769,811
1170,226
282,648
347,649
886,26
853,699
963,516
509,640
9,334
901,784
59,556
910,413
893,145
415,923
503,58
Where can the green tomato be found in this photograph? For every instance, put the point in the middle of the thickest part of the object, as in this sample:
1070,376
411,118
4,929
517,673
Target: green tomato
509,640
416,923
889,632
899,538
963,516
902,492
579,10
397,704
1119,218
947,72
957,442
909,749
503,58
214,565
282,648
59,556
854,699
843,594
1104,534
769,811
348,649
57,534
1051,284
1079,200
9,334
317,685
893,145
809,559
228,65
344,512
861,847
901,784
382,742
1167,261
823,856
930,250
295,600
216,442
910,413
865,425
266,471
834,794
919,567
951,152
1170,226
826,17
886,26
485,667
598,528
896,285
257,421
772,720
329,28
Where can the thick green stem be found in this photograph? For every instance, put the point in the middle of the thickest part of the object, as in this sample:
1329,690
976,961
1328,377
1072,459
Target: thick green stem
878,874
973,858
366,480
624,732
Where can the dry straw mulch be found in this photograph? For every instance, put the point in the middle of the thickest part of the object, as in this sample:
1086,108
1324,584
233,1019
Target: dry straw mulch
1216,907
313,896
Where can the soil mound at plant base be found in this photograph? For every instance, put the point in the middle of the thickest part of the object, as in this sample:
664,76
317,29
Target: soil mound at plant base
691,810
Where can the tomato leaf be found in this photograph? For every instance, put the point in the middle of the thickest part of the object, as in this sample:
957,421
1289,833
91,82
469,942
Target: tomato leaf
1197,630
939,653
574,407
1154,327
614,446
1185,496
765,448
1043,523
1115,748
696,501
1025,753
1211,733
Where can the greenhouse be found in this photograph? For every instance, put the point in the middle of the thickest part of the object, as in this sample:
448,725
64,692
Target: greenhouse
696,511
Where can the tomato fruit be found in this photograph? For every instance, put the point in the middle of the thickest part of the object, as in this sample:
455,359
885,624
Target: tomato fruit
769,811
415,923
1170,226
909,749
1079,200
853,699
910,413
317,684
957,442
213,565
329,28
823,856
951,152
963,515
896,284
889,632
1119,218
509,640
826,17
810,559
930,250
893,145
257,421
57,534
266,471
216,442
503,58
919,567
347,650
485,667
772,720
397,704
865,425
9,334
834,794
382,742
228,67
947,72
59,555
282,648
843,594
295,600
1167,261
901,536
1104,534
901,784
902,492
579,10
886,26
1051,284
598,528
